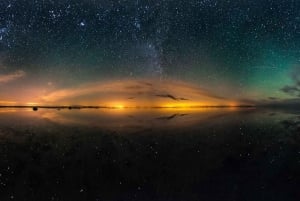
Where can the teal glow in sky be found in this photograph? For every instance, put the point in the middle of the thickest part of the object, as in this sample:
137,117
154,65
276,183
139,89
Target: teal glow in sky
244,51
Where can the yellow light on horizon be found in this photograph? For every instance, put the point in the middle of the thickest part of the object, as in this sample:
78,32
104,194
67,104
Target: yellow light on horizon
177,106
117,106
185,105
120,106
32,103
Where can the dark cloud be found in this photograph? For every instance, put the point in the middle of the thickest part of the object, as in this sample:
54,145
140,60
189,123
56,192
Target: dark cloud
291,90
170,96
293,103
294,89
167,96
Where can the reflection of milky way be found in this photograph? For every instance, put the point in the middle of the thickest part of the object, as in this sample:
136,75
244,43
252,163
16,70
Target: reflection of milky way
125,120
138,119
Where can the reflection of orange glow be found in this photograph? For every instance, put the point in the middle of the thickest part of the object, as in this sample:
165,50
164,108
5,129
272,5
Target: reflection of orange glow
7,110
136,120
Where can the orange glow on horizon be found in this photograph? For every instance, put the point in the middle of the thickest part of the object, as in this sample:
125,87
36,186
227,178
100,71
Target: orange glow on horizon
130,93
119,106
136,104
7,102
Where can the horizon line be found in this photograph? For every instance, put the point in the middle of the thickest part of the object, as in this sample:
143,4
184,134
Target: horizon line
121,107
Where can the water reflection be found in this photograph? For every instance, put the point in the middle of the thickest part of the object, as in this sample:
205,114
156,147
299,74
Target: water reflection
125,120
208,154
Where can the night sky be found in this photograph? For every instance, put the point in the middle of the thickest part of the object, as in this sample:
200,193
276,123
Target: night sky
148,52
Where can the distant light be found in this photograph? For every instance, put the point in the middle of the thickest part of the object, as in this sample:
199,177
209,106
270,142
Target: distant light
119,106
178,105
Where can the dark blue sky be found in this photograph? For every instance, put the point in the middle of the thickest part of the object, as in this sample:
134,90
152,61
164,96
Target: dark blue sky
234,48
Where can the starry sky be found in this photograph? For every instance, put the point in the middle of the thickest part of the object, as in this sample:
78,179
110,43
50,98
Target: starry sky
149,52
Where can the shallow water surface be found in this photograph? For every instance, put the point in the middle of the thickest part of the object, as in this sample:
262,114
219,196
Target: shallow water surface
149,154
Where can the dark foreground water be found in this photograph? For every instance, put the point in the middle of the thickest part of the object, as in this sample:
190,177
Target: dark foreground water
122,155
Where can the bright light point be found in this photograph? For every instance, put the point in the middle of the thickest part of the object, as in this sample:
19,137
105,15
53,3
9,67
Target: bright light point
119,106
176,106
